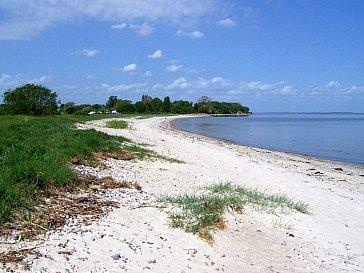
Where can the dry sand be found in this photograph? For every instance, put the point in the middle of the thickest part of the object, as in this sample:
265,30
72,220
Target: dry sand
130,239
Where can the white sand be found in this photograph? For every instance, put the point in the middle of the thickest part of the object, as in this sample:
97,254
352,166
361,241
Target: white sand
331,239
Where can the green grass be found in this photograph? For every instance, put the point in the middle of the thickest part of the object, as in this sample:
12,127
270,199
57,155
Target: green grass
34,153
117,124
199,213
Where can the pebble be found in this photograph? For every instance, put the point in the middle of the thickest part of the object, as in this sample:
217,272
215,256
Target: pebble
116,256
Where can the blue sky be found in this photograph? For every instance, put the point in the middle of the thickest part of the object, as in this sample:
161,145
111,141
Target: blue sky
271,55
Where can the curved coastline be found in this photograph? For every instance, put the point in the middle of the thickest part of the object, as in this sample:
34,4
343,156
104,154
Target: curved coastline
252,241
299,156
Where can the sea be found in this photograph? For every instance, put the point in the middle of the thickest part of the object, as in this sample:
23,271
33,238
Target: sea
333,136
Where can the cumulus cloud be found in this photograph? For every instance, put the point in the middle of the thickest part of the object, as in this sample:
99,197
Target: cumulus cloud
41,80
8,81
130,68
119,26
156,55
147,74
194,34
90,77
226,23
173,68
180,83
86,52
135,87
143,29
27,18
333,84
140,29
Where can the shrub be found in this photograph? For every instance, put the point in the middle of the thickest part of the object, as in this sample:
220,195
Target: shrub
30,99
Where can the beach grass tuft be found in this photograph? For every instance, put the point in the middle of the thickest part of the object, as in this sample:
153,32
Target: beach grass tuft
117,124
202,212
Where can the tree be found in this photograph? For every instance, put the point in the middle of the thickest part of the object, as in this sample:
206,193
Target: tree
124,106
147,100
166,104
204,100
139,107
69,107
157,105
111,102
182,107
31,99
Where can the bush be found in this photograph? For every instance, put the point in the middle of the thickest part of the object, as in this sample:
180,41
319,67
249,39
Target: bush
30,99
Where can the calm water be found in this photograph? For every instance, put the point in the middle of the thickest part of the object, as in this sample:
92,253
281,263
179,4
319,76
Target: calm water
331,136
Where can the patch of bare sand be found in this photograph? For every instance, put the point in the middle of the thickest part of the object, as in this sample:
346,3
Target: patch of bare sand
138,239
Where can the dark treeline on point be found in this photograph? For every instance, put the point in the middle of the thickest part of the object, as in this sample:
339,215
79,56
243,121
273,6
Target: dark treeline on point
38,100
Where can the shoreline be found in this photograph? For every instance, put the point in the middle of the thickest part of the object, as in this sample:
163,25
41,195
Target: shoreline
174,126
137,238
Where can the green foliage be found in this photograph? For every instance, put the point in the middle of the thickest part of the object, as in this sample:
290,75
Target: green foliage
215,107
156,105
124,106
2,109
199,213
117,124
140,107
30,99
111,102
166,104
147,100
34,153
182,107
68,108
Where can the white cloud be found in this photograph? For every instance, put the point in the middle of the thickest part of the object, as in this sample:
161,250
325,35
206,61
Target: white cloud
119,26
156,55
148,74
130,68
226,23
27,18
194,34
7,81
41,80
90,77
173,68
158,86
143,29
180,83
86,52
333,84
135,87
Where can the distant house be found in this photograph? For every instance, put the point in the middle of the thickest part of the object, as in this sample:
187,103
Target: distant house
114,112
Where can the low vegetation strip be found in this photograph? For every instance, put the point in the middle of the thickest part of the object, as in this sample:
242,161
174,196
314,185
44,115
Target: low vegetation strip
35,153
200,213
117,124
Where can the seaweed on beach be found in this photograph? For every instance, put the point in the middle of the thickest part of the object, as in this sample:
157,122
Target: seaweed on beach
81,201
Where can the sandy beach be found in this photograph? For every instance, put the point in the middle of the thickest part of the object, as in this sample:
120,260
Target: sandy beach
135,238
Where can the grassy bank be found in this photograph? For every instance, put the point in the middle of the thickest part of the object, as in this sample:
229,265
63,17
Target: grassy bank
34,154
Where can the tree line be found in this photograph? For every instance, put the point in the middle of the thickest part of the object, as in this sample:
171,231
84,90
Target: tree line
38,100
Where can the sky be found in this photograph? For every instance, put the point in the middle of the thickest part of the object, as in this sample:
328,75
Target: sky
270,55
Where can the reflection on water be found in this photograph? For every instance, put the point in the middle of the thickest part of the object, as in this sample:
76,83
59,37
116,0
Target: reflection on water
333,136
